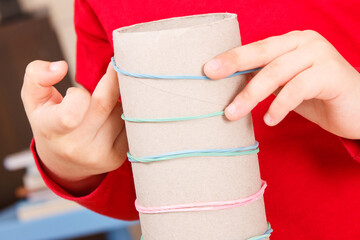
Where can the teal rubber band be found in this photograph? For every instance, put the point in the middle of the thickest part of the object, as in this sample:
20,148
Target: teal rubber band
260,237
142,120
194,154
197,153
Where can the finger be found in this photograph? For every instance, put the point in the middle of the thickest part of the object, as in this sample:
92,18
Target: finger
120,148
73,108
68,115
300,88
253,55
117,152
112,126
268,80
103,100
39,78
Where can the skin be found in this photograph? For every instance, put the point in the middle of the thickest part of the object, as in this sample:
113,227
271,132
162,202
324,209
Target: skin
80,137
306,73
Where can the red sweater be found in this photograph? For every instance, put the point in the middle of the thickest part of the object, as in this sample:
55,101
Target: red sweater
313,176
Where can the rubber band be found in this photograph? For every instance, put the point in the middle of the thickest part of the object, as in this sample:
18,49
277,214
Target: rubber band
260,237
142,120
204,206
139,75
265,235
197,153
210,206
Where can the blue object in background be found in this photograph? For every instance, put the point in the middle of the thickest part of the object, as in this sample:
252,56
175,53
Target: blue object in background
73,224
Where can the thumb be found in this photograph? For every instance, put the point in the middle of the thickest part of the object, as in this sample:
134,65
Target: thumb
40,76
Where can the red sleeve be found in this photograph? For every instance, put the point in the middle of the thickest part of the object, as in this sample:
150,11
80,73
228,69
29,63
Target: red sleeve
353,147
94,50
115,195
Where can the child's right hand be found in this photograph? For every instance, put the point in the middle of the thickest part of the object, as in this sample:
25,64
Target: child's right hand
78,137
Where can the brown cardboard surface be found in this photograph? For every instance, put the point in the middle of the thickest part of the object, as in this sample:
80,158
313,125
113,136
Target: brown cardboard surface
181,46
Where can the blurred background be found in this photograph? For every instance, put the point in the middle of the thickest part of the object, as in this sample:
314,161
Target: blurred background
29,30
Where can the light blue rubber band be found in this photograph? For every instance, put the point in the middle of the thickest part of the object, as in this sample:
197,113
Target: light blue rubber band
139,75
261,237
197,153
265,235
141,120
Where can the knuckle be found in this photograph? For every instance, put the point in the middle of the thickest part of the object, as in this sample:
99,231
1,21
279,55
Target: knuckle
281,102
49,135
320,45
294,32
291,95
78,91
311,34
248,94
102,107
321,48
232,56
333,65
31,68
272,70
77,153
68,120
93,160
96,158
294,89
262,47
70,151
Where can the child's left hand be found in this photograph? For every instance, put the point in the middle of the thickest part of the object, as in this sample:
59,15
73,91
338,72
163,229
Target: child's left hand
307,74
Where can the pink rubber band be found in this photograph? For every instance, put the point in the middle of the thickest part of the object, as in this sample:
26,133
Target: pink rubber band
204,206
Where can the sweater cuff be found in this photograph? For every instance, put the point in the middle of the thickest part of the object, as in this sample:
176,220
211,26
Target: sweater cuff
106,192
353,147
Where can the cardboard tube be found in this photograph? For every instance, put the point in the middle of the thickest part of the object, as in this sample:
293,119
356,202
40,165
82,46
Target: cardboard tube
181,46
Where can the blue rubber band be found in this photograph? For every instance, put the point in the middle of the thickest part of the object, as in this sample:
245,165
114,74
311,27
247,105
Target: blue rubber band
197,153
139,75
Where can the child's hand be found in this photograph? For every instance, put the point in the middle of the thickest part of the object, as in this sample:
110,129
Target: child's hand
307,74
78,137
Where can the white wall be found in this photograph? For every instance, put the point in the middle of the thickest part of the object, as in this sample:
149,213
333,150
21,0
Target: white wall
61,13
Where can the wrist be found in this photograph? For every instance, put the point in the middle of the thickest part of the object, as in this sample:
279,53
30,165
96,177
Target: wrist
76,183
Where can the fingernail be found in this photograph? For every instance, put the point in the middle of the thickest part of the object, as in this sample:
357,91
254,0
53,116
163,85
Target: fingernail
214,64
55,66
267,119
231,109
